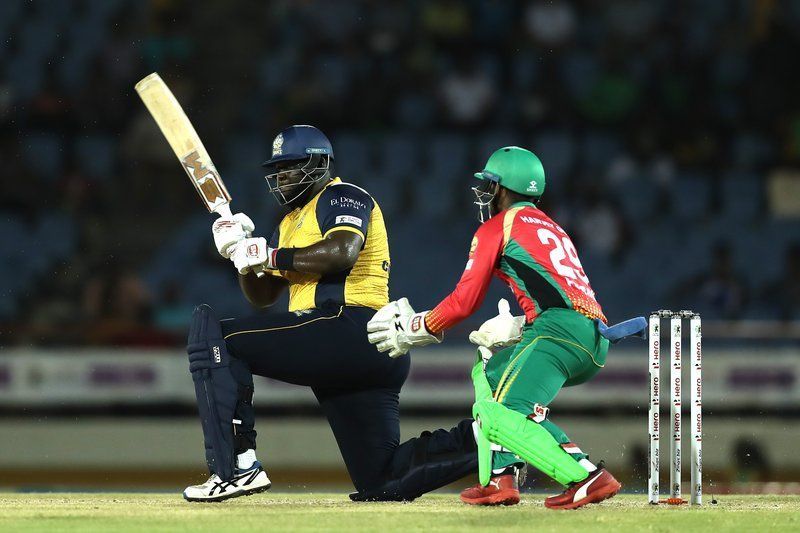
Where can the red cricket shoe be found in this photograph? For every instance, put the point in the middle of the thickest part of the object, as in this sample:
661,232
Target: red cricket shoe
599,486
501,490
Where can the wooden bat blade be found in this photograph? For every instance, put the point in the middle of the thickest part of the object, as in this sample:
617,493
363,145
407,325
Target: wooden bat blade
182,137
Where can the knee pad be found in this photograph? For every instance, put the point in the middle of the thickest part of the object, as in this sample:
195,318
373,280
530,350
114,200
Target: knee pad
527,439
217,391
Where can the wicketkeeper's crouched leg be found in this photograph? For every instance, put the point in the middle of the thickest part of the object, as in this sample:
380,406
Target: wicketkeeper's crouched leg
528,440
523,382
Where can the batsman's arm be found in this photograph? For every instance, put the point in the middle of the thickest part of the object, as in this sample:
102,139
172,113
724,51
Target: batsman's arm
343,214
335,253
262,291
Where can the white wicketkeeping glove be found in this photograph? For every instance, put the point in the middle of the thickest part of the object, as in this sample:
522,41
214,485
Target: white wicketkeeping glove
500,331
253,254
228,231
396,327
485,354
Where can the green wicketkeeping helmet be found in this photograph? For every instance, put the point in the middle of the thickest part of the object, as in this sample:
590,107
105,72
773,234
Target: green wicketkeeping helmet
516,169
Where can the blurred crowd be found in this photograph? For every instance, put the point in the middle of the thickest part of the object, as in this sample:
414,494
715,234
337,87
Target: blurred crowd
670,135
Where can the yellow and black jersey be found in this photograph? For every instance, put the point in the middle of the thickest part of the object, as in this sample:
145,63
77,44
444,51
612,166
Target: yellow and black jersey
338,207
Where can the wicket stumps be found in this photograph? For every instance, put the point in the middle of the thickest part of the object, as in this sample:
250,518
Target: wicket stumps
676,319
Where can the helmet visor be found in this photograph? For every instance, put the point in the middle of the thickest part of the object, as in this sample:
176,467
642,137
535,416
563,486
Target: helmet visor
485,192
289,180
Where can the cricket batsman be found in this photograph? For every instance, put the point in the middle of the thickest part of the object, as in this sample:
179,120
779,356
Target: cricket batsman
331,252
561,341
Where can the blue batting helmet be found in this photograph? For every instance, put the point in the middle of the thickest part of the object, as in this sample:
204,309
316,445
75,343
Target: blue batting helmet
298,142
301,157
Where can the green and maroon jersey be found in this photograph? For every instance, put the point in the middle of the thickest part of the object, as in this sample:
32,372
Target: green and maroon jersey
533,256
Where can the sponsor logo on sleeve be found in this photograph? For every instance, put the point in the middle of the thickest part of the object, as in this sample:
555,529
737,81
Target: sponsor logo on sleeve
473,245
347,219
469,264
351,203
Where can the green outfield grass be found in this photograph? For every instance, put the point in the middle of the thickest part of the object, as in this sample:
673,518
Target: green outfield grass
327,512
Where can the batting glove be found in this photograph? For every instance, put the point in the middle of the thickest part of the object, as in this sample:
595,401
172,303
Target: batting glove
253,254
228,231
500,331
396,327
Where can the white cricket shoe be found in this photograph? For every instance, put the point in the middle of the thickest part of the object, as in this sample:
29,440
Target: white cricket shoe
244,483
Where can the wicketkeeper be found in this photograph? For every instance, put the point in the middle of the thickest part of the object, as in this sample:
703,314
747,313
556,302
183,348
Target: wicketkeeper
561,341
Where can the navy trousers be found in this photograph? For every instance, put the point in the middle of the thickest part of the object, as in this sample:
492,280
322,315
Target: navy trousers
358,389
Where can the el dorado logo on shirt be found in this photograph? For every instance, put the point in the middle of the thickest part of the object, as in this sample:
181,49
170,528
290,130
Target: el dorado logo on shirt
352,203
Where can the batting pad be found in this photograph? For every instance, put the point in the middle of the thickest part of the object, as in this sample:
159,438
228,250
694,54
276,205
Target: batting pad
527,439
216,391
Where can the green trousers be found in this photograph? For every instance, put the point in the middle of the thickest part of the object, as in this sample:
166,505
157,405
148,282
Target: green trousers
562,348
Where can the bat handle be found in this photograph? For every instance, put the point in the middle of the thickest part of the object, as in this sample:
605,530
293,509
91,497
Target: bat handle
224,210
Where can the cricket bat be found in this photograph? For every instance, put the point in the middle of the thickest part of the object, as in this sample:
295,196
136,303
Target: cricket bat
185,142
182,137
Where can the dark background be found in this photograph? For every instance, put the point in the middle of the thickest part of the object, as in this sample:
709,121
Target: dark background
663,129
669,133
